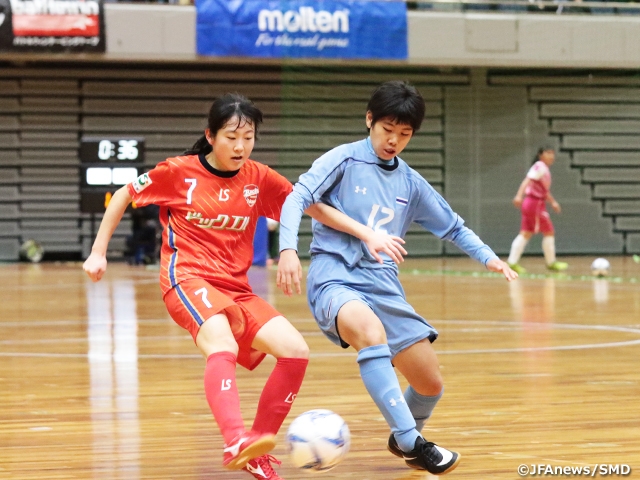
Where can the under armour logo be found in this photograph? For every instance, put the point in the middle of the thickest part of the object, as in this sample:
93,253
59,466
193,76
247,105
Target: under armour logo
393,402
363,190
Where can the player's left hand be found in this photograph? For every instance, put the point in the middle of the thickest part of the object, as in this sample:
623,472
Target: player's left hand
499,266
289,272
556,207
381,242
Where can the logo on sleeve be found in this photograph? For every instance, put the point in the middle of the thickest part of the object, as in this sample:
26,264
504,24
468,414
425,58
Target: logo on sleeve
251,194
142,182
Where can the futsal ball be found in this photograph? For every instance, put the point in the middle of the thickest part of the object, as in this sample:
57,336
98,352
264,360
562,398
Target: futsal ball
31,251
600,267
318,440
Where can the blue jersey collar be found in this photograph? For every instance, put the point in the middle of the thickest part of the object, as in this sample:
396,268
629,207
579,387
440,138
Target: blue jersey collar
385,165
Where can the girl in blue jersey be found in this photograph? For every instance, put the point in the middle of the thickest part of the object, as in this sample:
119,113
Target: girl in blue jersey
357,300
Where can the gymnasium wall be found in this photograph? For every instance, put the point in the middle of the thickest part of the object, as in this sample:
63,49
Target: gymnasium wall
494,127
502,38
480,134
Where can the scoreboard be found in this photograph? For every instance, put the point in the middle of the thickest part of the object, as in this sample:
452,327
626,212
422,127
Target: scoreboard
106,164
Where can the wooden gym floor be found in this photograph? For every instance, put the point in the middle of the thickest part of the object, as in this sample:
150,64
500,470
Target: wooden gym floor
97,382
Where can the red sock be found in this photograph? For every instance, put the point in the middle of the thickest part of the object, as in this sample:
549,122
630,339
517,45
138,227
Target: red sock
279,393
222,393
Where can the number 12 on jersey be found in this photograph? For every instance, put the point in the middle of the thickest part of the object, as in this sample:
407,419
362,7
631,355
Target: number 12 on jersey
386,214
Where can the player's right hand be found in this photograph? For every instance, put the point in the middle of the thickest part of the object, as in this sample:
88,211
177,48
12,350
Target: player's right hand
289,272
498,266
95,266
517,202
380,242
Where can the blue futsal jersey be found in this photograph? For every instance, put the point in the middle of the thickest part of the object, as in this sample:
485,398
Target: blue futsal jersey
386,196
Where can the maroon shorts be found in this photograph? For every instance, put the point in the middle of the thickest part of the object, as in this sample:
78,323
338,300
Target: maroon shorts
193,301
535,217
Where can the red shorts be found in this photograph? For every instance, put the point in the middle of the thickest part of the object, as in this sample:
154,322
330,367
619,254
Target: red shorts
195,300
535,217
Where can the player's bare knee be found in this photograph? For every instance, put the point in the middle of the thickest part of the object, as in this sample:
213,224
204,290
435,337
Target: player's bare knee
228,345
375,337
429,386
435,387
362,333
367,338
223,344
300,351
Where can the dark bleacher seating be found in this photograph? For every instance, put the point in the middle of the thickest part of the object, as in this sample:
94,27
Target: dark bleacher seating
45,111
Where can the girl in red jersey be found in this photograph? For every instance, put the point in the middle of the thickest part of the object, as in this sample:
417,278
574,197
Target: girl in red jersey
535,189
210,199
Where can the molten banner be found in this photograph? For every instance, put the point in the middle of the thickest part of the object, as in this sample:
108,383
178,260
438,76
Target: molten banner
52,25
302,28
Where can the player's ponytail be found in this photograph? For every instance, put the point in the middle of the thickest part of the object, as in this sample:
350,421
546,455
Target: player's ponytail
230,106
537,157
541,150
201,146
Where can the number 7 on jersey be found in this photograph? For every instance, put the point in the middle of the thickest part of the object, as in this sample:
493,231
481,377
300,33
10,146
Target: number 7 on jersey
193,183
203,293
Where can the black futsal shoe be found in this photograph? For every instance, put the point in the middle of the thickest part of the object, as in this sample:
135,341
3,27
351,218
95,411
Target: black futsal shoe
393,447
426,456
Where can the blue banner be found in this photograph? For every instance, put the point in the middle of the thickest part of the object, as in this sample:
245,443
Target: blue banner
302,28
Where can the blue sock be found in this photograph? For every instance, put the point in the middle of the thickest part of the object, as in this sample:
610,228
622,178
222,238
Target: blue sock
382,384
421,406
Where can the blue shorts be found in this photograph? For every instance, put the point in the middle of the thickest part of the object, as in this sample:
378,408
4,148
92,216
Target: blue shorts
331,284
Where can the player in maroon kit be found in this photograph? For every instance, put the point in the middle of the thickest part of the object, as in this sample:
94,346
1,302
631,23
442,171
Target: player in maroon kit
535,189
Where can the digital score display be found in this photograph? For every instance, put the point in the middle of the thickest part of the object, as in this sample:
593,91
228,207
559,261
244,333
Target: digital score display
106,164
96,149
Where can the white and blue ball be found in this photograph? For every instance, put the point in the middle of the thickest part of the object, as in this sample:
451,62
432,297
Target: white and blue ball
318,440
600,267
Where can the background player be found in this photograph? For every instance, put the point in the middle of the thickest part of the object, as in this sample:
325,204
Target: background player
536,191
210,199
359,302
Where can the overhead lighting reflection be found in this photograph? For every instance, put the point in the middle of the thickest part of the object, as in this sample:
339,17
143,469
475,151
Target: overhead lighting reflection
113,362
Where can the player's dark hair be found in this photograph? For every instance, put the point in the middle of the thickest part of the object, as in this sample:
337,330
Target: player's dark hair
222,110
398,101
541,150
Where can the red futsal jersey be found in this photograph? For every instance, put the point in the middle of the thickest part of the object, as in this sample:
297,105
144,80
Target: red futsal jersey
540,183
209,217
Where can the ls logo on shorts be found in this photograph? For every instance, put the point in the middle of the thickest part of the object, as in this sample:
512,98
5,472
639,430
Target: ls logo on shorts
142,182
251,194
